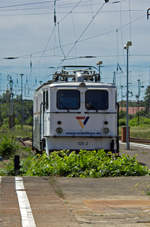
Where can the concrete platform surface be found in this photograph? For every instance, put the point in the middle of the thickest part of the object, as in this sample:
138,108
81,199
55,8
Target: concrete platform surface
75,202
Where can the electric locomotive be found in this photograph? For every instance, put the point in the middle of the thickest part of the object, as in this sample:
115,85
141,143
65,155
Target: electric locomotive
75,111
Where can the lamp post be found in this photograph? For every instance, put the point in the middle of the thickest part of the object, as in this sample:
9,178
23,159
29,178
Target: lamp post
126,47
138,98
122,95
22,107
99,63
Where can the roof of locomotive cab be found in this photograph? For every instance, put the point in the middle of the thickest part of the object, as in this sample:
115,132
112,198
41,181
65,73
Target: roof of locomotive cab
52,83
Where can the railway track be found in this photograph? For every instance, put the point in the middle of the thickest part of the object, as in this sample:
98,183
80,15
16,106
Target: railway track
137,140
28,141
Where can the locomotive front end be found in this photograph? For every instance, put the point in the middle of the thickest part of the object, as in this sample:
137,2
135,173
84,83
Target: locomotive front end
79,114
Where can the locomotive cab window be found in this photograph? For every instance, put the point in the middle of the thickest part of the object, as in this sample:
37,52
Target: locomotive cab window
46,103
68,99
96,100
45,100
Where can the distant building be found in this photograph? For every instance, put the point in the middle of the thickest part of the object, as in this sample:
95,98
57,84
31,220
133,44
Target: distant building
132,110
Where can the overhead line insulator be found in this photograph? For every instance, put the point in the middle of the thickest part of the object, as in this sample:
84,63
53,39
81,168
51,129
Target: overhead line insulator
55,20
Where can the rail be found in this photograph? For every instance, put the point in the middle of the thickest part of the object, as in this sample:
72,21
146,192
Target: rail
138,140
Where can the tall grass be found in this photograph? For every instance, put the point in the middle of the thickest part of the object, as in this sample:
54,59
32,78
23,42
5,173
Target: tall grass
141,130
17,131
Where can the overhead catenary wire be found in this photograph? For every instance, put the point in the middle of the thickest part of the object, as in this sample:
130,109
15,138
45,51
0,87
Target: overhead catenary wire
23,4
3,11
59,40
42,52
60,21
28,4
74,34
130,24
63,45
106,33
85,29
53,31
70,11
45,5
64,3
49,39
121,32
38,3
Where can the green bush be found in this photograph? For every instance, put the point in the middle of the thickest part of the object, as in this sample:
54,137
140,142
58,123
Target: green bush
142,121
122,122
83,164
145,121
8,147
133,122
5,123
122,114
8,169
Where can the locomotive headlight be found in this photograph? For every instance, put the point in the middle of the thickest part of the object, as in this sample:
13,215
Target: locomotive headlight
59,130
105,130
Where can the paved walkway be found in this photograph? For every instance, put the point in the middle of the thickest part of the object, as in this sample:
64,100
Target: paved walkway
75,202
137,145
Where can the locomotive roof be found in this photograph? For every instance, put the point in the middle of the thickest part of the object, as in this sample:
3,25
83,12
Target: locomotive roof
75,84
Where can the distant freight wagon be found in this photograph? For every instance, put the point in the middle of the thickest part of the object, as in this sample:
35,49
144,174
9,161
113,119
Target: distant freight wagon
75,111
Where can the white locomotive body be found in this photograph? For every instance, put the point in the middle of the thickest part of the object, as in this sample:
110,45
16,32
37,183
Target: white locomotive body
75,111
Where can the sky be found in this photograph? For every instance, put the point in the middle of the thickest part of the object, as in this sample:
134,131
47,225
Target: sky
41,35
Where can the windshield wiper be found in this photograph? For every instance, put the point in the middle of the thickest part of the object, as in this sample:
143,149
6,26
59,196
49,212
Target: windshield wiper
91,106
65,107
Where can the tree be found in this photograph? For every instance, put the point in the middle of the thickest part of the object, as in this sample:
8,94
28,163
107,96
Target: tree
147,100
17,110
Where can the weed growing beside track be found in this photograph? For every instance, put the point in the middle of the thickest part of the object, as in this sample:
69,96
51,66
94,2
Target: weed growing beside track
83,164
